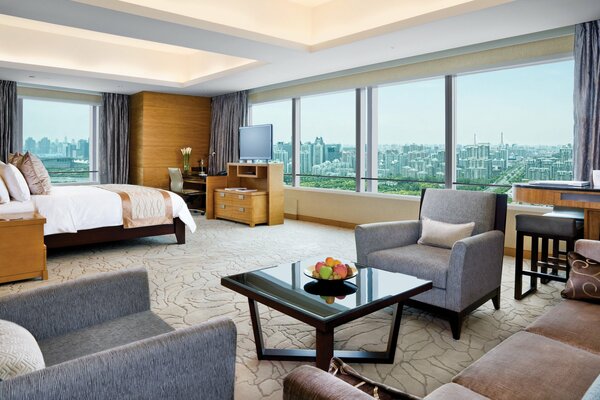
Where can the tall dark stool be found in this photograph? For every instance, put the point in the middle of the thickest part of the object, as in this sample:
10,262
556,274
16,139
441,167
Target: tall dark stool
560,225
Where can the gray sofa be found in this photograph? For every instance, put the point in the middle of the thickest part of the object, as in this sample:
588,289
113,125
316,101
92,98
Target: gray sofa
100,340
557,357
463,277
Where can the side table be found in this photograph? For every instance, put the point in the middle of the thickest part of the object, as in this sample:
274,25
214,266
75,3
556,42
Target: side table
22,249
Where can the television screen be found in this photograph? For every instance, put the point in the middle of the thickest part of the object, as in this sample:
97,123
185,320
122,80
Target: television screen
256,142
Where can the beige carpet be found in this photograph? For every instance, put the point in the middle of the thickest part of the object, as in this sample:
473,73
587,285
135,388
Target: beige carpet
185,290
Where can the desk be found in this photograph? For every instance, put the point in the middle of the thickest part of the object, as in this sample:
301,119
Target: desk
587,199
206,184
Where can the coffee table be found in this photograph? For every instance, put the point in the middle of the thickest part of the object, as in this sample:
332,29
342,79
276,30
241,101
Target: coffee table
287,289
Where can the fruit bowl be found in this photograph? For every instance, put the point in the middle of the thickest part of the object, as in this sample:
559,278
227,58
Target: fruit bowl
331,270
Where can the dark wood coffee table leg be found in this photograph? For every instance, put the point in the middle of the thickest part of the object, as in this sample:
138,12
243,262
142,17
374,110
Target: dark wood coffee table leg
324,349
257,329
324,346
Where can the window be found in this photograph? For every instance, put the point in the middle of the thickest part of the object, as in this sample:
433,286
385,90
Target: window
410,136
278,113
514,125
63,136
328,141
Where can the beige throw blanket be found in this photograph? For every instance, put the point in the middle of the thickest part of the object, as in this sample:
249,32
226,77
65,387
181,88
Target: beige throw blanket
143,206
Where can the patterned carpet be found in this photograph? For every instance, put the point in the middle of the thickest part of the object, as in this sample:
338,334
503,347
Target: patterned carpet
185,290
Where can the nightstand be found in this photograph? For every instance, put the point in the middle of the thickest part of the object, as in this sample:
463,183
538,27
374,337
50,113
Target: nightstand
22,248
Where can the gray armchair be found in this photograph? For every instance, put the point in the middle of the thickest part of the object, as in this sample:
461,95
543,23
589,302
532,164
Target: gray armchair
100,340
463,277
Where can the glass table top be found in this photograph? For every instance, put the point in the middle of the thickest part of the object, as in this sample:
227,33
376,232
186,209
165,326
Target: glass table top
288,284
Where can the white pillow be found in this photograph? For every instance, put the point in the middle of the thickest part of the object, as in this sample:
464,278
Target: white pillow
4,196
442,234
15,182
19,352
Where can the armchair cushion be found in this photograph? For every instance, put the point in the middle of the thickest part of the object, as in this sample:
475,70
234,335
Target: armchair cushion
442,234
424,262
114,333
19,352
459,207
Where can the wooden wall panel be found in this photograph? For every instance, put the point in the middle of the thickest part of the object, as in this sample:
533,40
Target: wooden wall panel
161,124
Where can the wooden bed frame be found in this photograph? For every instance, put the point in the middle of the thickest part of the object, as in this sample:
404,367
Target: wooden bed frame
114,233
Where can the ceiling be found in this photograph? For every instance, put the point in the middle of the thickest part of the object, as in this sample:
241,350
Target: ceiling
207,47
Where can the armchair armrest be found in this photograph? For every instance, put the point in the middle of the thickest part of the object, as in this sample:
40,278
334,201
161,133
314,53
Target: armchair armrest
475,269
310,383
588,248
189,363
384,235
57,309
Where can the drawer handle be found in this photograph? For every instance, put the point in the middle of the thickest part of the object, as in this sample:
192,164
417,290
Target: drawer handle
242,209
241,196
222,205
222,194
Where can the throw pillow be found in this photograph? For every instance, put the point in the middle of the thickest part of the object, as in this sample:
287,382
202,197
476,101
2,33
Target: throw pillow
584,279
15,159
35,174
4,196
15,183
442,234
19,352
378,390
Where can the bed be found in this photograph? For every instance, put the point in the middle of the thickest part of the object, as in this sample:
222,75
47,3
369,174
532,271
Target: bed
78,215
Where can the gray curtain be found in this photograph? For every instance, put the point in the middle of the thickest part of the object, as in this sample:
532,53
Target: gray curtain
9,140
586,98
228,113
113,143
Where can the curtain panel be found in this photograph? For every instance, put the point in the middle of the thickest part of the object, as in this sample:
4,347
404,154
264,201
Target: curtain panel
9,139
586,98
113,143
228,113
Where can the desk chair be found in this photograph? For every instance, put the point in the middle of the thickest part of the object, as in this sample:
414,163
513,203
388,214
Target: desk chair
176,186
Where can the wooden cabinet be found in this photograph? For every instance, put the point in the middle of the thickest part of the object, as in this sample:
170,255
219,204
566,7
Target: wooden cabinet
160,125
22,249
263,205
246,207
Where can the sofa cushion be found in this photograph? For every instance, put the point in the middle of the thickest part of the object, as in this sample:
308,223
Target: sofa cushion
573,322
583,282
442,234
19,352
424,262
452,391
459,207
117,332
531,367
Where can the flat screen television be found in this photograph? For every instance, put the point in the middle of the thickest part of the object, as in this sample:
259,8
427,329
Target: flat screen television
256,142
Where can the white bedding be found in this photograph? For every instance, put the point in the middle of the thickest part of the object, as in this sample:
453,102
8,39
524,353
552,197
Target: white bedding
73,208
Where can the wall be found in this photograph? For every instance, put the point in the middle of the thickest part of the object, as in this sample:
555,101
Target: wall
162,124
347,209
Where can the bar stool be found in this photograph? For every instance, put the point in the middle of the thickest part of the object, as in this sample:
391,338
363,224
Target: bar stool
560,225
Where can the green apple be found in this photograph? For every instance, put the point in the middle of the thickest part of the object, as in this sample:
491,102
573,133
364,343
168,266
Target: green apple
325,272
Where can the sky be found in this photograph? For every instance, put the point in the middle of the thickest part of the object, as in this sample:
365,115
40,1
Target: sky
531,105
55,120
